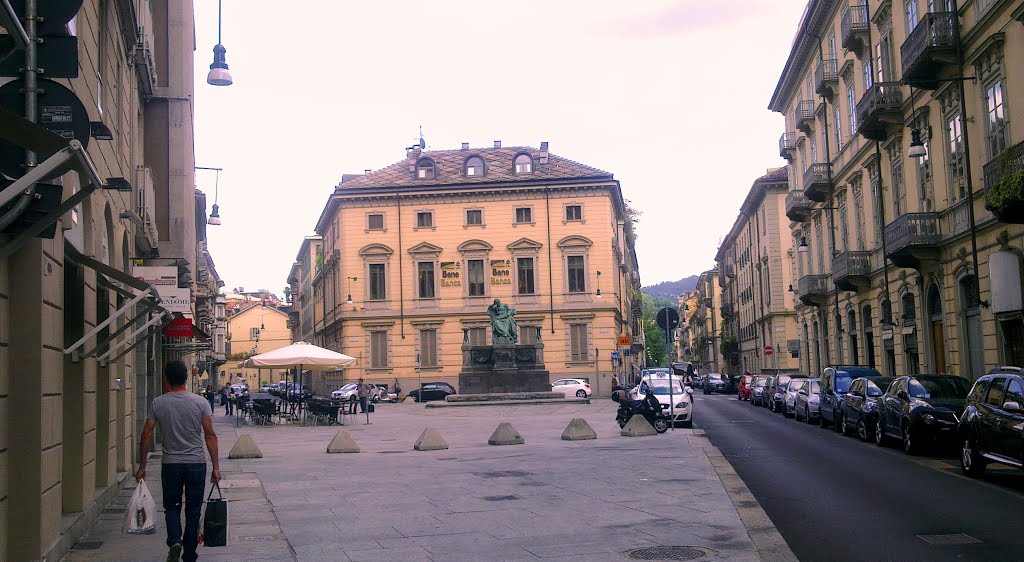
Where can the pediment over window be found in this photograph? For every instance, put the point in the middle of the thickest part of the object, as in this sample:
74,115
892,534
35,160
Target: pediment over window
475,246
525,244
376,250
425,248
575,241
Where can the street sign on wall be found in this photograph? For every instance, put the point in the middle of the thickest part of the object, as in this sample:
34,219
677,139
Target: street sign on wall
625,341
768,350
180,327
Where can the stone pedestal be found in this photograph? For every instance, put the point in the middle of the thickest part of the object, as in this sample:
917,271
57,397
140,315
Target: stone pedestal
503,368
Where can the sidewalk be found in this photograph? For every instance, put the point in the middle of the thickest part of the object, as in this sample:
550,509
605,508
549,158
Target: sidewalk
546,499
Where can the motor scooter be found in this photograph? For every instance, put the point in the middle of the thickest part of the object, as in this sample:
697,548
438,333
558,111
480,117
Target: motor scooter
649,408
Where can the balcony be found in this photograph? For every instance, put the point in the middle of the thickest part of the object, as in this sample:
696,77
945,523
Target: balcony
730,270
826,76
879,109
930,48
787,145
853,28
146,236
803,116
913,238
817,186
851,271
798,206
1008,163
727,310
813,289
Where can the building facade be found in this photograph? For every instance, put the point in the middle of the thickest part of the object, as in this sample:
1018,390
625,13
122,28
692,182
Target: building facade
705,325
256,329
414,254
759,328
900,264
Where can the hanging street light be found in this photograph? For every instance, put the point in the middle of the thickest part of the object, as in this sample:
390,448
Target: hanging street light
219,74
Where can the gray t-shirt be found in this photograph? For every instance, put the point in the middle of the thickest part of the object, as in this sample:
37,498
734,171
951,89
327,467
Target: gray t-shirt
179,418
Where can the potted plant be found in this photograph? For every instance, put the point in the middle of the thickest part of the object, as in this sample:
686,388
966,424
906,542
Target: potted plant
1005,198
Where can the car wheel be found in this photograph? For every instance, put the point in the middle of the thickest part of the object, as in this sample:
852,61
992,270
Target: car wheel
836,423
807,415
796,413
376,399
909,444
880,437
842,425
622,422
971,462
862,430
581,393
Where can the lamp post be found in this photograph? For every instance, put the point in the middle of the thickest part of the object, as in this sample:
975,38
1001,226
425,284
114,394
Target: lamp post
215,212
598,295
350,280
219,74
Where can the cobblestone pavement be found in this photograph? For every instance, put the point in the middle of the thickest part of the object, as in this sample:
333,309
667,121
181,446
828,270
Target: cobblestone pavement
545,499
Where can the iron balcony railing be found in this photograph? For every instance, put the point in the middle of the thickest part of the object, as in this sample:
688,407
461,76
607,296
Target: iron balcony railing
816,182
803,116
937,34
798,206
825,74
727,310
853,26
787,144
1009,162
850,265
729,270
912,230
876,109
813,288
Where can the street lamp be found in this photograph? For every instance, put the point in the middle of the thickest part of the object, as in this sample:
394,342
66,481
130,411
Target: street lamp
598,295
215,212
350,280
219,74
803,245
917,149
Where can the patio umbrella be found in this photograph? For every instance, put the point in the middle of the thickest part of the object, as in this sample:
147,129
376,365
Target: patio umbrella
303,356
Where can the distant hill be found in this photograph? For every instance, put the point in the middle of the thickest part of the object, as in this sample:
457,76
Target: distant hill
672,289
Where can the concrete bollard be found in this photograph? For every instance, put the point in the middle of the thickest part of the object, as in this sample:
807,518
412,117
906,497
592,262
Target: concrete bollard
245,448
505,434
638,426
342,443
430,440
578,430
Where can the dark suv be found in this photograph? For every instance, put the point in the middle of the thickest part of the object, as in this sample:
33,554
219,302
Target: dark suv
835,383
992,425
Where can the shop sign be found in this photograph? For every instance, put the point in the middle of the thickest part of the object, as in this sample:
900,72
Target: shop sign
501,272
451,273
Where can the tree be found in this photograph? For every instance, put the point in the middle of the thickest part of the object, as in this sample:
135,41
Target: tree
654,336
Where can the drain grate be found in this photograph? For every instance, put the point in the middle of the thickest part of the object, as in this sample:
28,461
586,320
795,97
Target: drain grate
500,498
503,474
666,553
88,545
949,539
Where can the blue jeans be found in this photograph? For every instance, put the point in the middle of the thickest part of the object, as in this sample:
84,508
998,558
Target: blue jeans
190,479
362,404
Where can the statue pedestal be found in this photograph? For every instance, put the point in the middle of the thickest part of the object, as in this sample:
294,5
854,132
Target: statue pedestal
503,368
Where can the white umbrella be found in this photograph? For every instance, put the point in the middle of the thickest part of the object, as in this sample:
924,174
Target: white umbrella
302,355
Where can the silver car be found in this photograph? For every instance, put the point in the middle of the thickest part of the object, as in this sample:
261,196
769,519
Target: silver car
792,390
807,406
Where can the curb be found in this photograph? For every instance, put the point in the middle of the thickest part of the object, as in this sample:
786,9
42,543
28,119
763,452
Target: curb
469,404
767,541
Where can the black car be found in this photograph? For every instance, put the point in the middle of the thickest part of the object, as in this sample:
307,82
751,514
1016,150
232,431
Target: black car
716,383
759,391
777,391
433,391
992,426
860,406
835,383
921,409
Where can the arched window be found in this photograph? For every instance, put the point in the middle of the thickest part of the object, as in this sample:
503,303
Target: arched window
425,169
474,166
523,165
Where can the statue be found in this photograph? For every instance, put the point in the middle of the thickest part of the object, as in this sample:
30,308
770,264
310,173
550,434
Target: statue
504,329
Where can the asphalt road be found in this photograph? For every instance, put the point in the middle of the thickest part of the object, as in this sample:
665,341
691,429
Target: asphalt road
837,498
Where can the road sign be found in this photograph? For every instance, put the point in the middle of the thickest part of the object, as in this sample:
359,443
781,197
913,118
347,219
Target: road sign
768,350
667,318
625,341
615,355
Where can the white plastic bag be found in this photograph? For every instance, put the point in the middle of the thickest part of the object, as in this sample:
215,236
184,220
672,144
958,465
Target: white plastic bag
141,512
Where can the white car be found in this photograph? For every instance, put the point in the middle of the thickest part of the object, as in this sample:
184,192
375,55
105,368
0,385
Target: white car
682,408
572,387
348,392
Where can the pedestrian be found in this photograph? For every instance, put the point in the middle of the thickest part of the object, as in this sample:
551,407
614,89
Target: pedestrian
363,391
210,395
398,390
186,422
224,399
615,381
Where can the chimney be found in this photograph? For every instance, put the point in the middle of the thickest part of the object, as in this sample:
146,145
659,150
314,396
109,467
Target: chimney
497,144
367,171
465,146
544,152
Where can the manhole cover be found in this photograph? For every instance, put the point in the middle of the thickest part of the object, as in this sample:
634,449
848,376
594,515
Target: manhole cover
666,553
503,474
949,539
88,545
500,498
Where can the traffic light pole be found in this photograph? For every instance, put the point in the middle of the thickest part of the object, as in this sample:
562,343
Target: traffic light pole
30,111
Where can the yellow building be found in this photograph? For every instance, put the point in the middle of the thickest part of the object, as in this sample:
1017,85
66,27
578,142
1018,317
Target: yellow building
705,325
891,155
254,330
755,272
414,253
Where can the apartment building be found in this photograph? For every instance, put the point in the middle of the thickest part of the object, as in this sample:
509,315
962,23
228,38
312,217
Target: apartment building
759,328
415,252
900,121
705,325
257,328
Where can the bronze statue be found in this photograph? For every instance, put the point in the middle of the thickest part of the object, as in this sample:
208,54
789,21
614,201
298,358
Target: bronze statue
504,329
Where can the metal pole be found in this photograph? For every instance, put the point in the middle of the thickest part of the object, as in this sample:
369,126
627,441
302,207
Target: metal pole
30,111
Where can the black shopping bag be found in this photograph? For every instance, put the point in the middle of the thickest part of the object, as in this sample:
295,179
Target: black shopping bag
215,524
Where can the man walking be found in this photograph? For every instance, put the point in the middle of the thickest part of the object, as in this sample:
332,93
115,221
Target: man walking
185,421
363,391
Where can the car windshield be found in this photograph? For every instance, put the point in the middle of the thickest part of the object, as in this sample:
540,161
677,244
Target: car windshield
348,387
660,387
783,380
843,383
877,386
938,387
759,382
716,377
815,387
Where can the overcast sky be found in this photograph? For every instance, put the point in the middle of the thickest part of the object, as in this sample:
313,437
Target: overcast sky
670,96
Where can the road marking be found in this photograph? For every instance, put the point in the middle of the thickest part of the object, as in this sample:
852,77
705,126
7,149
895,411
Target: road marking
949,539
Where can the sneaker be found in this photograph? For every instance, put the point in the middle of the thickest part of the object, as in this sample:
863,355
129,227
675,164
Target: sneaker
174,554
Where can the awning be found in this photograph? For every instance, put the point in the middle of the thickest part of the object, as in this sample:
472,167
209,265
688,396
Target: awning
137,291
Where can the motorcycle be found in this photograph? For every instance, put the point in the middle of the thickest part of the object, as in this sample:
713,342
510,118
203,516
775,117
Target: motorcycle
649,408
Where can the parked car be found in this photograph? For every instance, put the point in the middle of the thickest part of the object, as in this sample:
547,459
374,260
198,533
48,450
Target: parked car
835,383
860,406
715,383
266,388
572,387
432,391
743,387
807,401
777,391
677,404
992,426
759,391
792,389
921,409
349,391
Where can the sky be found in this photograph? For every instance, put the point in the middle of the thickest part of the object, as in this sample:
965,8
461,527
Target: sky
669,96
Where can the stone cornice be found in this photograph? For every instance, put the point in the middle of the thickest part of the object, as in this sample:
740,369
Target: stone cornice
805,47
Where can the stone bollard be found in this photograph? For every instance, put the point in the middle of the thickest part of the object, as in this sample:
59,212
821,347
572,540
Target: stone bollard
505,434
342,443
245,448
430,440
638,426
578,430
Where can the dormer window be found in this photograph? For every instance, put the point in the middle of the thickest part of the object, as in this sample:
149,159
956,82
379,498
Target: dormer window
474,166
523,164
425,169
